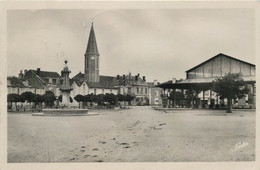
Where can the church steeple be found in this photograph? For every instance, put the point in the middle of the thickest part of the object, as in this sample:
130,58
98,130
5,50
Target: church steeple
92,58
92,43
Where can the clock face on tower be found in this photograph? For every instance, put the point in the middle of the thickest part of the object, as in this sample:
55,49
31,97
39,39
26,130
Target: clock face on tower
92,58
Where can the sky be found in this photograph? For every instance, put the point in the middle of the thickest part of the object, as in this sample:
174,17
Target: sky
159,44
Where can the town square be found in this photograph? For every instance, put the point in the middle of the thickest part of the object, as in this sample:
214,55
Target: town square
134,85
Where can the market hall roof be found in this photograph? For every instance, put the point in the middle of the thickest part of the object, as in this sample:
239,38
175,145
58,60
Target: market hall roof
218,55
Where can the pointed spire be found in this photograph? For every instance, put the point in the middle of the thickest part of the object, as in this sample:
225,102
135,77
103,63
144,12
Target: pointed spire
92,43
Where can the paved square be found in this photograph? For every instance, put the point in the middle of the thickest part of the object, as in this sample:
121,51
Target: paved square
133,135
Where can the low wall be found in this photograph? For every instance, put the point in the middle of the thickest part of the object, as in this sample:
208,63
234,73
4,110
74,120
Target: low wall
65,111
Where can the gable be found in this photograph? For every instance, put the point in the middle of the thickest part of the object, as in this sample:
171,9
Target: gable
220,65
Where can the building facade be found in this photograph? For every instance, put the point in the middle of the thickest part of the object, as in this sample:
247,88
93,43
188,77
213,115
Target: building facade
155,94
219,66
133,85
201,77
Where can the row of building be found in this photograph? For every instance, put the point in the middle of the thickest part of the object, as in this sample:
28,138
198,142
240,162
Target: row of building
199,78
38,81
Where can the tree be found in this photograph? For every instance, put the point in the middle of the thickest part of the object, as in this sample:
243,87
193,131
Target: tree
88,98
13,98
121,98
94,98
179,97
49,98
229,87
38,99
110,98
129,98
79,98
190,97
28,96
100,99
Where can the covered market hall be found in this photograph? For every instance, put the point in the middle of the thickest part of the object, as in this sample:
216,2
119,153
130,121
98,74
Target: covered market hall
200,78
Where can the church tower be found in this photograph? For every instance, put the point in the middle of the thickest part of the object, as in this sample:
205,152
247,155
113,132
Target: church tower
92,59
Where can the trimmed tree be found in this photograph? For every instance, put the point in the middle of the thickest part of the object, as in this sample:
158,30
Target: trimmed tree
129,98
79,98
13,98
28,96
88,98
121,98
229,87
100,99
38,99
49,98
110,98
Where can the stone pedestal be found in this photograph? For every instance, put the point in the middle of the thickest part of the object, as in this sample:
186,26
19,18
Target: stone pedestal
65,99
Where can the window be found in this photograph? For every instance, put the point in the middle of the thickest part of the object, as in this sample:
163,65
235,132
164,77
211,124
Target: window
84,89
137,90
156,93
146,90
54,81
92,64
129,90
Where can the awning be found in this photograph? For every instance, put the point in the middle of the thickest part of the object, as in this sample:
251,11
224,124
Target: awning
198,83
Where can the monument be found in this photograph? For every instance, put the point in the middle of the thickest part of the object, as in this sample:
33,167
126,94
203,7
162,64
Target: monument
65,109
65,86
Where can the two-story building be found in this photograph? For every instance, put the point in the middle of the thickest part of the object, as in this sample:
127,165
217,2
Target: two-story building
133,85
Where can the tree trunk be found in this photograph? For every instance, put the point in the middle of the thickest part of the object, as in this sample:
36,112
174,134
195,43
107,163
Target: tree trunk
229,109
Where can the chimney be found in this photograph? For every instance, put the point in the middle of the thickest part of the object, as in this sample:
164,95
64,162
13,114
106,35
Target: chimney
173,80
38,71
155,82
138,74
117,77
124,77
21,75
144,78
25,71
136,78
